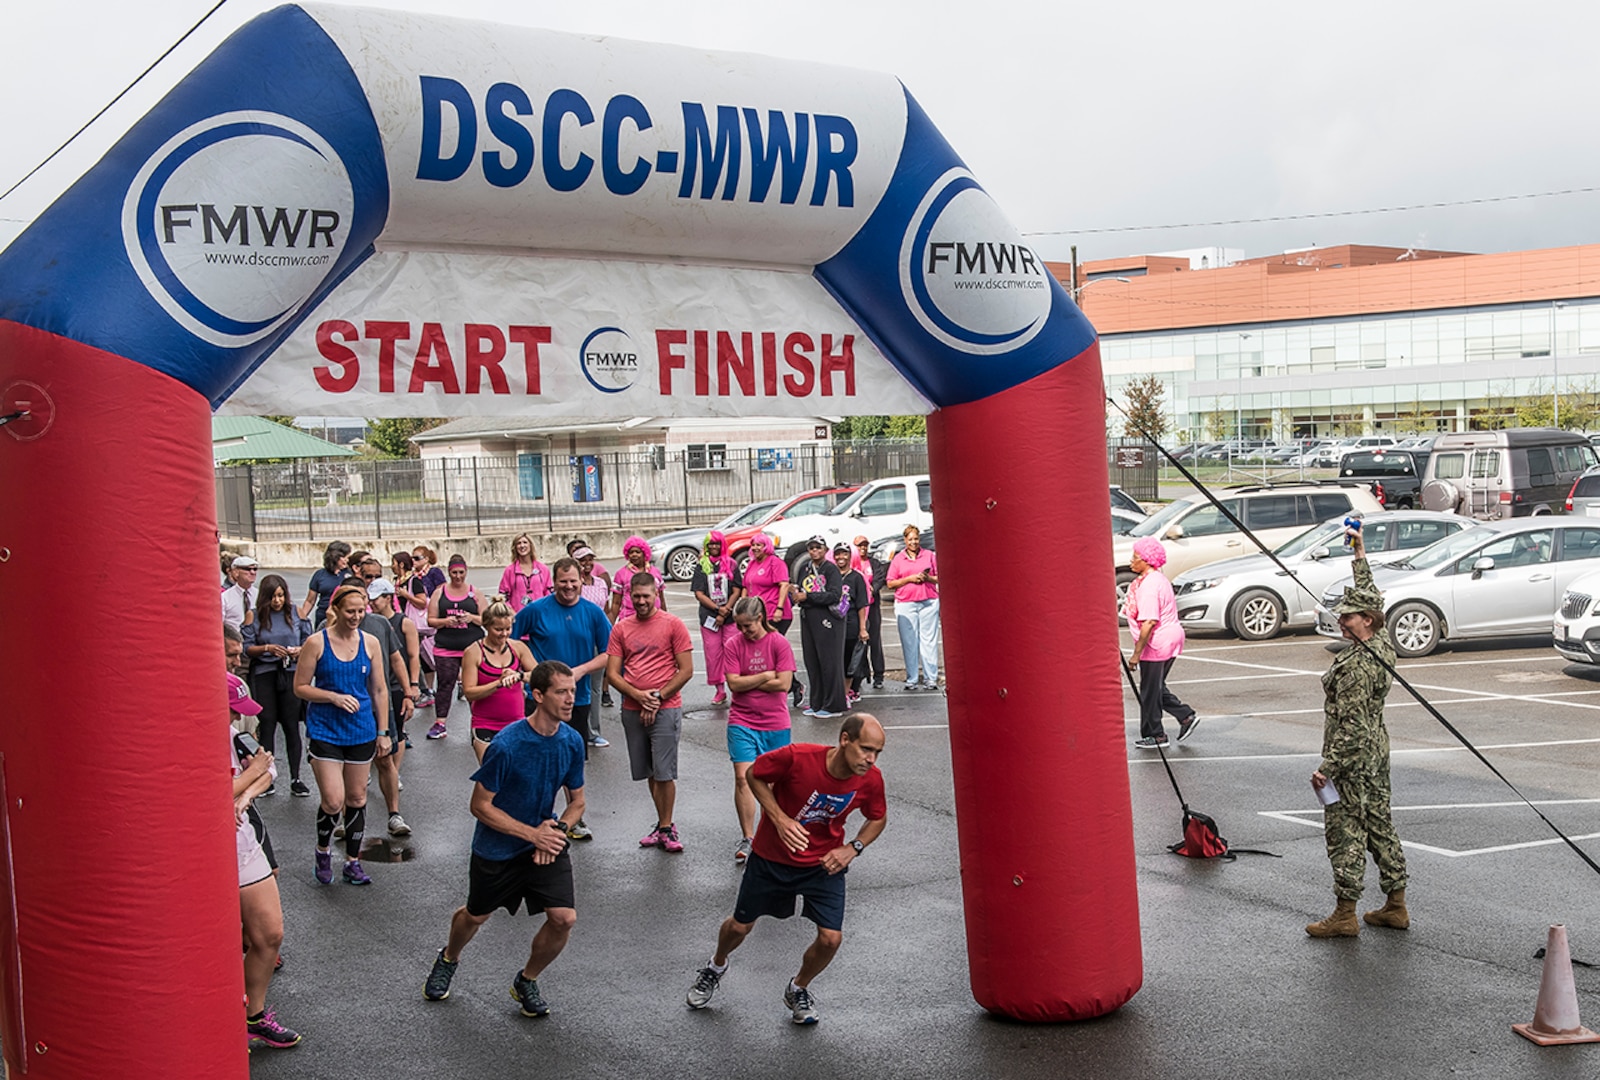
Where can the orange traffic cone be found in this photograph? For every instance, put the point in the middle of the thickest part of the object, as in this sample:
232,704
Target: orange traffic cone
1555,1017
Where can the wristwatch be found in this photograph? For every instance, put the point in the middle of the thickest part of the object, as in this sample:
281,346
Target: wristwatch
858,845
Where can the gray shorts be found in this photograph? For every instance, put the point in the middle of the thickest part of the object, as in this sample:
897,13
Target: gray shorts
653,748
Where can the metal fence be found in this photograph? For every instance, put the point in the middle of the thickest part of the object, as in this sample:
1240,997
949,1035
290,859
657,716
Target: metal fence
318,500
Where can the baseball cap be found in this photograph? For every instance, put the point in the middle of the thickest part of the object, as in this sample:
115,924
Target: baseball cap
841,549
380,587
239,699
817,541
243,562
583,553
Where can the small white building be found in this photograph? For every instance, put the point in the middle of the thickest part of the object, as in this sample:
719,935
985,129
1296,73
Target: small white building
641,460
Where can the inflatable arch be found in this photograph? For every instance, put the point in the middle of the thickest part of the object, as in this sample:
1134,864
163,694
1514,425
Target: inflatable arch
351,211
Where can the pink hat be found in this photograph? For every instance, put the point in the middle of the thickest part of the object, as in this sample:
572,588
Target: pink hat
239,699
1150,550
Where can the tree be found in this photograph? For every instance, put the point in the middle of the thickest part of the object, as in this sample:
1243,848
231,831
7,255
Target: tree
907,427
1147,414
392,437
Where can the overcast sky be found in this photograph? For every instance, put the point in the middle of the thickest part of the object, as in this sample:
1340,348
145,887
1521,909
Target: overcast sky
1111,116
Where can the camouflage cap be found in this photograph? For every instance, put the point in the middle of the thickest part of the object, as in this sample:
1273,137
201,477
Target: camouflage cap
1358,599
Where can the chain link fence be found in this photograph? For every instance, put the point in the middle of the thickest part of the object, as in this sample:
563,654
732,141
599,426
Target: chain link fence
319,500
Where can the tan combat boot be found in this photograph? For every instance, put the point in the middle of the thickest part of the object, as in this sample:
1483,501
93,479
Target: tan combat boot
1392,914
1342,923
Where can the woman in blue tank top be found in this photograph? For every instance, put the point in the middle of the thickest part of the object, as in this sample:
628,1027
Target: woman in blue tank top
341,675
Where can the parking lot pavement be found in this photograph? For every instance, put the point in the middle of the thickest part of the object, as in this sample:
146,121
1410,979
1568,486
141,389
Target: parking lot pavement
1233,987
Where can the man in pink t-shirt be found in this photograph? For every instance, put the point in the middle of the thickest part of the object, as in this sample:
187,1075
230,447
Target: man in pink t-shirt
649,659
759,666
1152,614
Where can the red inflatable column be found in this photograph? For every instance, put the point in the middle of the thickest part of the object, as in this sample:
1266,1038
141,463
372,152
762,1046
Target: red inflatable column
1036,724
118,877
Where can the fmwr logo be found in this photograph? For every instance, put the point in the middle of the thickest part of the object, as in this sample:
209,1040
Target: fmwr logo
965,273
236,221
609,360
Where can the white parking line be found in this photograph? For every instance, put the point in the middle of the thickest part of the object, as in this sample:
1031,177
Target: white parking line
1298,817
1393,753
914,727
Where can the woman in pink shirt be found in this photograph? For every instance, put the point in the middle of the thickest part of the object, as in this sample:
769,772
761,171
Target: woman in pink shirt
526,579
914,577
1152,614
766,578
760,669
636,550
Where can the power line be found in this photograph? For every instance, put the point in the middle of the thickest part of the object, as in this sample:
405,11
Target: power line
112,102
1321,214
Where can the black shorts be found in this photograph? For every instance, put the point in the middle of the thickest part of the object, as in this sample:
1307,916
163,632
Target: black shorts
397,723
359,754
508,884
771,888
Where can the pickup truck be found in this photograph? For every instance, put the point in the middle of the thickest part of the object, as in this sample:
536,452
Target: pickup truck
1395,475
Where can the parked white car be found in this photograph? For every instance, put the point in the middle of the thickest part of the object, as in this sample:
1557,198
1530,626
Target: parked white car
1576,627
879,508
1497,579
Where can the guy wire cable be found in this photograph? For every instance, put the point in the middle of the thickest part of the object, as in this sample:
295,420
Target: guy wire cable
1399,678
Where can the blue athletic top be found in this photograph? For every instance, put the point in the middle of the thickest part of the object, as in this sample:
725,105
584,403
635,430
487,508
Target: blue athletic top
524,770
573,634
328,722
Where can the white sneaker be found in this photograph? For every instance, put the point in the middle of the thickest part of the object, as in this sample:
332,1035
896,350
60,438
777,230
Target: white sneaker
398,826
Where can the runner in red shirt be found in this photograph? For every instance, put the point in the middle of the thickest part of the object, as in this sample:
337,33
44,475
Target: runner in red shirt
805,793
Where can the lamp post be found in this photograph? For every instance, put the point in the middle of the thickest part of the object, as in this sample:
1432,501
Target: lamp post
1555,373
1077,290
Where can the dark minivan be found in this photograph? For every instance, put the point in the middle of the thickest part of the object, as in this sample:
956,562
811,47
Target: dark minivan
1517,472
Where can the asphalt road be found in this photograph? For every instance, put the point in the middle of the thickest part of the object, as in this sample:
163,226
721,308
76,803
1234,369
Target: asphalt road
1233,987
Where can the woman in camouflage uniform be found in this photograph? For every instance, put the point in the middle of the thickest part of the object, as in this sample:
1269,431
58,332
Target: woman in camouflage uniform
1355,758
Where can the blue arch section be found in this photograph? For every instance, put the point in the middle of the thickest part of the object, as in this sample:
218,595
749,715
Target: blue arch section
68,273
865,278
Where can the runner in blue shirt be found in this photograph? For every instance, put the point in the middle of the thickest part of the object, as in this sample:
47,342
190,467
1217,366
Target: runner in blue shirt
519,851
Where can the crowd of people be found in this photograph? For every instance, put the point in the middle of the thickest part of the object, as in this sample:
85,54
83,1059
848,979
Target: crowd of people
363,650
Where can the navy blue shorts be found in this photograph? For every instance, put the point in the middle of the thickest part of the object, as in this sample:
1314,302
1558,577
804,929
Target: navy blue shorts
771,888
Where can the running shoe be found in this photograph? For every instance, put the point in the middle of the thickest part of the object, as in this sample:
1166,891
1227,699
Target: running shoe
580,831
911,686
338,832
651,838
599,743
824,714
1186,727
705,984
268,1032
930,684
277,965
801,1006
851,697
670,841
424,701
437,731
272,789
797,691
877,684
720,697
398,826
461,692
742,852
809,712
324,868
298,789
354,875
605,700
1151,743
437,988
526,990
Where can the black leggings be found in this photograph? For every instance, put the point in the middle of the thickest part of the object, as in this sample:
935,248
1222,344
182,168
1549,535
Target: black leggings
274,689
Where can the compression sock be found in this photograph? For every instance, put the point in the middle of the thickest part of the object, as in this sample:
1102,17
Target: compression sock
355,824
325,823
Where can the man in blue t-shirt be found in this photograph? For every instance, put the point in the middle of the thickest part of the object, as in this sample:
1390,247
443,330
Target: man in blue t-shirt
519,851
564,626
